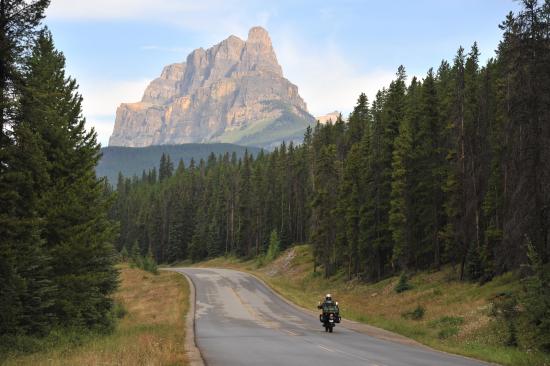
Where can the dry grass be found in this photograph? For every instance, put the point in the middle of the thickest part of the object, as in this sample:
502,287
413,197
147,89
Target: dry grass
151,333
456,316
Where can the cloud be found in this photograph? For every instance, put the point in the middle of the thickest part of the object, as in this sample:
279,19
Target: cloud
217,18
101,99
120,9
327,81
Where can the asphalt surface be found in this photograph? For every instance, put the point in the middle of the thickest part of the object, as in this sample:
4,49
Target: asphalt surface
239,321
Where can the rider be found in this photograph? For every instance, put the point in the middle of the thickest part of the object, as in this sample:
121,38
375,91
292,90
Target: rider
328,301
327,306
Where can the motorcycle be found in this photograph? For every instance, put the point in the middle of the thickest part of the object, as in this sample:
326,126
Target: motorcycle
330,316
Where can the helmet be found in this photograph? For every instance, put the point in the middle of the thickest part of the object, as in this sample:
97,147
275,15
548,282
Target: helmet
328,297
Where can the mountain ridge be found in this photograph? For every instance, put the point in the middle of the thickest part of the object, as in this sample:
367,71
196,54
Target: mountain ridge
132,161
220,94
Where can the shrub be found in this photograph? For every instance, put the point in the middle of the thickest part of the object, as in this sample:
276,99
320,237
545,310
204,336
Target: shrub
135,252
415,314
146,263
449,326
119,311
447,332
403,284
124,255
274,247
536,299
260,261
504,307
474,266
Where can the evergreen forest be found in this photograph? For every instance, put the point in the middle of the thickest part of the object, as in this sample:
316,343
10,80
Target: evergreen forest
56,240
450,168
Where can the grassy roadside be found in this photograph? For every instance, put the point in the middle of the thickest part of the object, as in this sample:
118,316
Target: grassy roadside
150,332
455,314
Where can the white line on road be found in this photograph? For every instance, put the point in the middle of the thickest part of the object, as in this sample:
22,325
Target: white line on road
325,348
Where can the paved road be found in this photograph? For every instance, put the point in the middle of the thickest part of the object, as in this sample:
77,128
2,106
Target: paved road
239,321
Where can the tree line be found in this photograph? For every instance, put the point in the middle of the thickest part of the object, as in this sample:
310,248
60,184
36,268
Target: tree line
56,240
450,168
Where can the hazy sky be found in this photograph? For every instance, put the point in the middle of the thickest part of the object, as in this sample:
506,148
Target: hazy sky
332,50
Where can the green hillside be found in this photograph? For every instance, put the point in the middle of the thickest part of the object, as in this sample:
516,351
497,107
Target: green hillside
133,160
269,133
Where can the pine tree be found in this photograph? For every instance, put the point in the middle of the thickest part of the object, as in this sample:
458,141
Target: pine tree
432,172
177,240
76,230
181,167
244,238
326,177
33,292
21,170
453,232
524,57
124,255
163,167
493,200
274,246
401,216
371,210
358,121
135,251
350,205
388,112
19,19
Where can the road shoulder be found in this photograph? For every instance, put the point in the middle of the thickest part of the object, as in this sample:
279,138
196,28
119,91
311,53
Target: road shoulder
192,351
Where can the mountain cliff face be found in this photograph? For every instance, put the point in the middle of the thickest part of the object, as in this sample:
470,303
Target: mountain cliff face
232,92
331,117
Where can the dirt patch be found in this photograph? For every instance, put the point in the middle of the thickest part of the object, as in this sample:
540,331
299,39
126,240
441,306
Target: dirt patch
281,265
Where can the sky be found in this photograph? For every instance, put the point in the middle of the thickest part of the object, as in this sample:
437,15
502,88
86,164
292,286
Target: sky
332,50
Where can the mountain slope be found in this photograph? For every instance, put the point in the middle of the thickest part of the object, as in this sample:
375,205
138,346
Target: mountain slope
232,92
133,160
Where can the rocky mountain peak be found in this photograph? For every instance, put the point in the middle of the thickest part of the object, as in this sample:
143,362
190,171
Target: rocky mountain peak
233,91
259,35
258,53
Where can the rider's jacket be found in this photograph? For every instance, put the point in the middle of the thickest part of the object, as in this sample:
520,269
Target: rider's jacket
326,304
